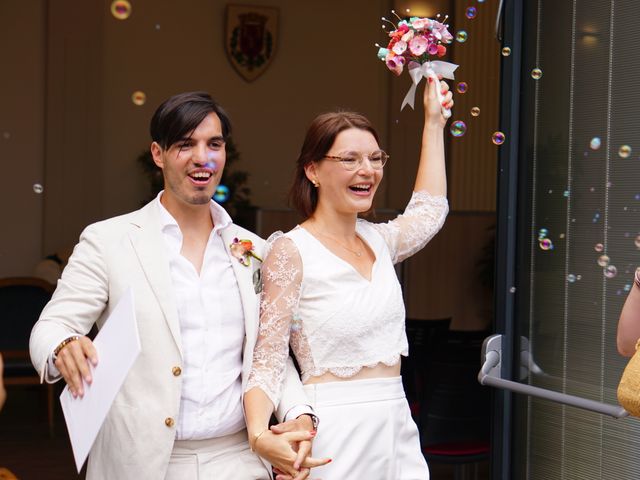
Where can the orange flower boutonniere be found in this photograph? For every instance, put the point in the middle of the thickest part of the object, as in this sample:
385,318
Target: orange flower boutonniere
243,250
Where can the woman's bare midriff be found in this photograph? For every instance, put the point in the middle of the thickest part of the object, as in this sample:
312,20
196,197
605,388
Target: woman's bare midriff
379,371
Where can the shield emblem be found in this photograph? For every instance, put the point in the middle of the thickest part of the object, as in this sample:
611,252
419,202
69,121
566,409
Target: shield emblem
250,38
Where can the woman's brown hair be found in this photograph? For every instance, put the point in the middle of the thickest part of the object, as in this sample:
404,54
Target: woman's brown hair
321,134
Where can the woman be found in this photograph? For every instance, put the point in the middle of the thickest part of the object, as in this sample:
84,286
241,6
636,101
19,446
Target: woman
330,290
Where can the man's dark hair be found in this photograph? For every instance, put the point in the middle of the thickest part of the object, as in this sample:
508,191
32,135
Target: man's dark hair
181,114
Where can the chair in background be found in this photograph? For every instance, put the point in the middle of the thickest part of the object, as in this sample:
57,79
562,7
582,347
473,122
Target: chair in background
21,301
454,417
423,336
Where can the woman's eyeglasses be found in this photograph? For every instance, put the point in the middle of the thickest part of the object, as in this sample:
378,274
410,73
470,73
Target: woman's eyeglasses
354,160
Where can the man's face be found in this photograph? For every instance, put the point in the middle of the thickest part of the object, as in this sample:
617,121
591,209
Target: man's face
192,167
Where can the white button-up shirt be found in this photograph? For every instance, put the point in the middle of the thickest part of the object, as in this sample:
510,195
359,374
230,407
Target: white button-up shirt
212,330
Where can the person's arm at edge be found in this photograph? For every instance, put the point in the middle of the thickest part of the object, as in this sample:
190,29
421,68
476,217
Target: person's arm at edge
629,322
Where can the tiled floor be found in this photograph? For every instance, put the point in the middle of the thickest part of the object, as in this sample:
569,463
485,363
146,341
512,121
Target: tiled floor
27,449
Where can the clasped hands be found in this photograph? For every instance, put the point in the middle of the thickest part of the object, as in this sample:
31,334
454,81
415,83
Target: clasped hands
287,446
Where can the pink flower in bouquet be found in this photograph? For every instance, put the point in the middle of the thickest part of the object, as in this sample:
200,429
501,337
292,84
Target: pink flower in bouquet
442,51
408,36
432,49
441,33
418,45
420,23
395,63
399,47
402,29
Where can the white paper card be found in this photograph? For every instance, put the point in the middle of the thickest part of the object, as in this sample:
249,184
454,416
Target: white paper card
118,346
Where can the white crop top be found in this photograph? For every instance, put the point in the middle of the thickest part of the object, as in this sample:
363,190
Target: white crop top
336,320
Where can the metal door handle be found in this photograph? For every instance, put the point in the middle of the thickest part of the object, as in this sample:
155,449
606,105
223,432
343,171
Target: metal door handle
490,375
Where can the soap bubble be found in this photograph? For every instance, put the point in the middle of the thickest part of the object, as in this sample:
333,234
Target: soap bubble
471,12
138,97
546,244
462,87
610,271
37,188
624,151
595,143
458,128
475,111
222,194
603,260
506,51
461,36
498,138
536,74
121,9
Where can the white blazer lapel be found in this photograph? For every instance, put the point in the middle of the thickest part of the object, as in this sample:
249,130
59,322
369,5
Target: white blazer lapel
149,247
249,298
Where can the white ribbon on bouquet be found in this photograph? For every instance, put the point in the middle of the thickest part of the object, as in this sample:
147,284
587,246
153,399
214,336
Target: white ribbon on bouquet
429,69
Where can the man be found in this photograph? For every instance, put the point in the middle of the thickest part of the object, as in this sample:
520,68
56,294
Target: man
179,412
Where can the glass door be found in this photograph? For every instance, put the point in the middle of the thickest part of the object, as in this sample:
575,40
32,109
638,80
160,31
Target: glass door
568,237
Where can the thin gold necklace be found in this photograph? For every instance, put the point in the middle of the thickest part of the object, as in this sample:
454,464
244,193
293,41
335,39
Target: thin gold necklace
357,253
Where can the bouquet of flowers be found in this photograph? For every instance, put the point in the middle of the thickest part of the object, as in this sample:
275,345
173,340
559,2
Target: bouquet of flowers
412,43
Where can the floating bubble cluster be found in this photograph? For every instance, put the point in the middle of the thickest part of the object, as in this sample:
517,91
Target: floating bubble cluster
543,242
458,128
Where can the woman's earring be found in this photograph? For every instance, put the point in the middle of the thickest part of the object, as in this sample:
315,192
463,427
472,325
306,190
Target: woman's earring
315,183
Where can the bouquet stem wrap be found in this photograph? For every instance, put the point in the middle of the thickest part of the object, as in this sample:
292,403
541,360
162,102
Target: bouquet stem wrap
418,72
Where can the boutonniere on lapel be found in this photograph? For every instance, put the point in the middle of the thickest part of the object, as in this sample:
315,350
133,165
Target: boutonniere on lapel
243,251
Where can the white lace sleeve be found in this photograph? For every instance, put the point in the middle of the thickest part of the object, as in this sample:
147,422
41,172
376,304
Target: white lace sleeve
281,277
412,230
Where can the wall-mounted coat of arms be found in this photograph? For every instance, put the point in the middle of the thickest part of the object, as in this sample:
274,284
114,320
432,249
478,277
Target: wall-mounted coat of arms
250,38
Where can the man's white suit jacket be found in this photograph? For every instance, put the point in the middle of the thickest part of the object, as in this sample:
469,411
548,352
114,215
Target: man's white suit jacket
135,441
